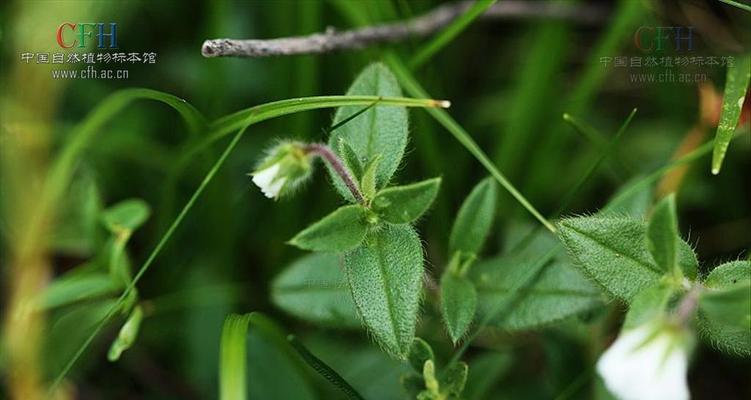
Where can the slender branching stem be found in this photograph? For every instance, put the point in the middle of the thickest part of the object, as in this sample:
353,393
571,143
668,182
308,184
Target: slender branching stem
338,166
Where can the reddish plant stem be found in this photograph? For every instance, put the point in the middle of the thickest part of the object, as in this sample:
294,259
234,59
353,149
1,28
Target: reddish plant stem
337,165
688,304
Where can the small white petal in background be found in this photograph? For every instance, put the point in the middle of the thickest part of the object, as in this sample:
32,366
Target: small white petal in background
267,180
644,364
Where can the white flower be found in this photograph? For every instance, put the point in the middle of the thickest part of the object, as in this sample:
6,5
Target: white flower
268,181
645,363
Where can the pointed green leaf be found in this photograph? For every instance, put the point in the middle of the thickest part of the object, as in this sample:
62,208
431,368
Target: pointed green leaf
379,130
725,308
314,288
458,303
385,277
127,335
419,353
662,234
368,183
736,87
404,204
475,217
351,160
126,216
342,230
613,252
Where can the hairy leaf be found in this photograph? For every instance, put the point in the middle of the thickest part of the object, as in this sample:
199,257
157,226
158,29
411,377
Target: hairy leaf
474,219
725,307
368,182
350,158
342,230
379,130
736,87
458,303
314,288
613,252
557,292
662,234
385,277
404,204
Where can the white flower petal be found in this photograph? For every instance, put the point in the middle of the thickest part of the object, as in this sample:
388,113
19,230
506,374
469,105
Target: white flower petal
268,181
633,369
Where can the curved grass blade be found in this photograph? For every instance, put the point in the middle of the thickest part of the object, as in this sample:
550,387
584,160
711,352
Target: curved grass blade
227,124
410,84
62,168
233,351
324,370
449,33
740,5
736,86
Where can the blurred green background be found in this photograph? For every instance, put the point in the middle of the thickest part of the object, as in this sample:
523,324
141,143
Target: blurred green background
509,81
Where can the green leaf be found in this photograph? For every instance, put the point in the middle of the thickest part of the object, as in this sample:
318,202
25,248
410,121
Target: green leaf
126,216
314,288
385,277
559,291
475,217
342,230
368,185
419,353
379,130
613,252
453,380
350,158
127,335
458,303
736,86
74,287
404,204
662,234
725,308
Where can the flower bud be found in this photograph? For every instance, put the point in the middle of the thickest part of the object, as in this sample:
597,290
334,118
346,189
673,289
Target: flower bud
286,165
647,362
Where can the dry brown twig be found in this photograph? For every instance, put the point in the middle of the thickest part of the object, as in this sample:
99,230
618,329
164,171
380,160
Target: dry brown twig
424,25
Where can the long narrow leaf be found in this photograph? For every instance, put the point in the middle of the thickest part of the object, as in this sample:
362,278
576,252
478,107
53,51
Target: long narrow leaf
736,85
